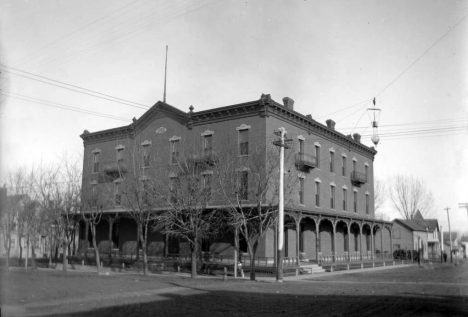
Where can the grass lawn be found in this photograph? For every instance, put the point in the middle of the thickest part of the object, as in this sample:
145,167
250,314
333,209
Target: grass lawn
440,290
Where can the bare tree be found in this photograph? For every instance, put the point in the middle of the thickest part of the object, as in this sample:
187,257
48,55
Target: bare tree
380,193
250,187
185,192
409,194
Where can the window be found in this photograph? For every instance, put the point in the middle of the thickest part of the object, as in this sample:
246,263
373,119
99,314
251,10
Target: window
345,199
301,146
146,157
332,197
332,162
208,144
354,166
175,148
355,201
343,169
301,191
174,189
317,194
117,195
144,191
367,203
206,182
396,247
317,155
96,162
244,185
366,169
12,243
120,155
244,142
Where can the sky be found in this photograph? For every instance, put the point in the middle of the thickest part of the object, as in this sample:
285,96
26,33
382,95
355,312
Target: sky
331,57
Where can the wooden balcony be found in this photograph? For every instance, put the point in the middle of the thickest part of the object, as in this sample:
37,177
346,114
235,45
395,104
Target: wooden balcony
208,158
358,178
115,167
305,161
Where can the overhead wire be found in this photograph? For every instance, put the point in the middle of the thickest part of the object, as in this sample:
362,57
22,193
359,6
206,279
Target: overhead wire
82,90
59,105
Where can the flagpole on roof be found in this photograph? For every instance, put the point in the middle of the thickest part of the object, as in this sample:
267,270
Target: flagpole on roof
165,76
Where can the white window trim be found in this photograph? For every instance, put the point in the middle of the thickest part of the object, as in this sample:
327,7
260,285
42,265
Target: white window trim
331,150
243,127
118,181
367,193
366,164
146,143
173,175
317,180
344,154
317,144
333,184
354,159
120,147
345,187
207,132
96,151
301,175
175,138
242,169
355,190
206,173
161,130
300,137
94,183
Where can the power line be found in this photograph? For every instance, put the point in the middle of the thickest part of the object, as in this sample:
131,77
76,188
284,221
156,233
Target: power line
61,106
92,93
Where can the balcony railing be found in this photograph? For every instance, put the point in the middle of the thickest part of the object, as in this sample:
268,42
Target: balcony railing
208,157
115,167
305,161
358,178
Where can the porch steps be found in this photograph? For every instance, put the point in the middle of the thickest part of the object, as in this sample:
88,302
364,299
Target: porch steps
308,268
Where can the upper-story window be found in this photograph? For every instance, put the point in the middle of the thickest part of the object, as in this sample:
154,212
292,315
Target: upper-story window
301,191
366,171
96,154
355,201
332,196
332,162
317,193
175,149
119,153
343,167
367,204
117,194
244,142
354,165
345,199
207,142
146,153
244,185
174,184
301,146
317,154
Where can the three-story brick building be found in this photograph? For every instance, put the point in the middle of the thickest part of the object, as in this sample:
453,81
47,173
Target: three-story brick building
332,204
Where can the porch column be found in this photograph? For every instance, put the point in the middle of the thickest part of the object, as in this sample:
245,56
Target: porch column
391,241
349,242
360,242
372,243
381,242
334,241
86,235
317,239
298,227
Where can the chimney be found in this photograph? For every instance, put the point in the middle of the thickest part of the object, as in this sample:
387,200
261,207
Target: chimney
330,124
309,116
288,103
357,137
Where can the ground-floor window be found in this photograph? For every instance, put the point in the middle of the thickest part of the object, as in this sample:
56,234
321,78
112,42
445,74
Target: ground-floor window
396,247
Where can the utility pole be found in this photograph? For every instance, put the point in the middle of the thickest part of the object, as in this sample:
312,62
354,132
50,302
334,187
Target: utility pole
450,234
280,251
441,245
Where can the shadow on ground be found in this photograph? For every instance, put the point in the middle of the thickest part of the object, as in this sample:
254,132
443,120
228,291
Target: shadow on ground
229,303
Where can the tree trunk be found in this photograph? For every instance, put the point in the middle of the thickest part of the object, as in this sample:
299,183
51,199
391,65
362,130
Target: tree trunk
236,251
252,252
21,250
64,255
194,260
33,258
143,239
137,258
96,250
111,222
56,253
26,258
8,254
